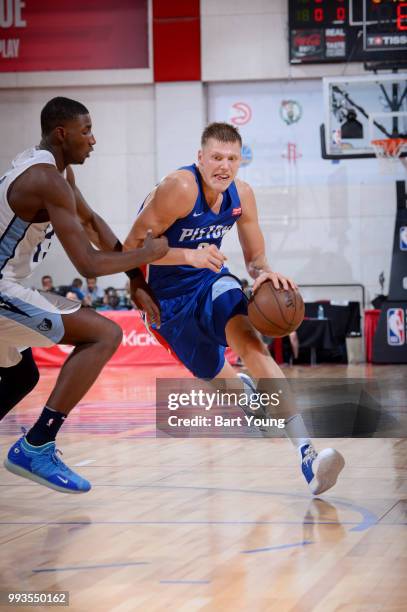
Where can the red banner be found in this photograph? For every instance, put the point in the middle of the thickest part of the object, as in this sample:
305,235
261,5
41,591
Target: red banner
73,34
138,347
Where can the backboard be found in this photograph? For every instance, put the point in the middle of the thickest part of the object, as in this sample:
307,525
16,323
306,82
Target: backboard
361,109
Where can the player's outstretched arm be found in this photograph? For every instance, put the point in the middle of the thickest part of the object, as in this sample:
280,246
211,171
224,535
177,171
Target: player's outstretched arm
59,200
252,242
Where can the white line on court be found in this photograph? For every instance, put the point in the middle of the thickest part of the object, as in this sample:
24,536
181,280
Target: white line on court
85,462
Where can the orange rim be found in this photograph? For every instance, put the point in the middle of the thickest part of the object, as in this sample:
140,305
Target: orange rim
391,147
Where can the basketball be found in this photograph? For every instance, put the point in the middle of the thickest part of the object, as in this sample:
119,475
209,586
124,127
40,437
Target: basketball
276,312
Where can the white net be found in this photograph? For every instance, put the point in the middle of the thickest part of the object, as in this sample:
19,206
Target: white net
388,152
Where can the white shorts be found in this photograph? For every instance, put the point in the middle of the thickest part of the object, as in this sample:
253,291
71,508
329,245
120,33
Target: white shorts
29,318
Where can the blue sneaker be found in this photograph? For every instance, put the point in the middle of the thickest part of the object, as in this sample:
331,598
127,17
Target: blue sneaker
321,470
42,464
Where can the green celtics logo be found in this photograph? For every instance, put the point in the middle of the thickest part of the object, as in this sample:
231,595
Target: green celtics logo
290,111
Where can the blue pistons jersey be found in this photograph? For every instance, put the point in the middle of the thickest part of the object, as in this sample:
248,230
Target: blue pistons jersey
200,228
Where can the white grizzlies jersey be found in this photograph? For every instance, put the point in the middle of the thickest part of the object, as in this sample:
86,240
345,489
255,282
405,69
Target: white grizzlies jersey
23,245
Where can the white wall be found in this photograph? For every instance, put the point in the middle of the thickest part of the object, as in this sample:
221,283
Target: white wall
179,119
324,222
248,40
336,230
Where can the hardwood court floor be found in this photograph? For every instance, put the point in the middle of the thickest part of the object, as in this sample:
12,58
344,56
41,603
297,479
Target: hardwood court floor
202,524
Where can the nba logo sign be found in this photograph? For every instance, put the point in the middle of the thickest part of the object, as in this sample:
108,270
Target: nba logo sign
403,238
396,331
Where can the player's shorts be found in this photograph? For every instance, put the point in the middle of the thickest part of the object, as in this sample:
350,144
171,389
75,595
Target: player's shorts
193,325
29,318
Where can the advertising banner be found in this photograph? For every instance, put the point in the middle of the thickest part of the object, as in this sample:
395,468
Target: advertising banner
138,346
73,35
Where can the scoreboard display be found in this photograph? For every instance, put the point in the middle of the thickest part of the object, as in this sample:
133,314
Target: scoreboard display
347,31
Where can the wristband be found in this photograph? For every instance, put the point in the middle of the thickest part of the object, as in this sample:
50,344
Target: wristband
134,273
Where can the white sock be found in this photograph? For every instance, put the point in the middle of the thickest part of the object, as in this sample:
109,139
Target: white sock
296,431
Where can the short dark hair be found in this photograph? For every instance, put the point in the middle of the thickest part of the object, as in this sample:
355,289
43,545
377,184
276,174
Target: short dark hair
58,110
224,132
46,276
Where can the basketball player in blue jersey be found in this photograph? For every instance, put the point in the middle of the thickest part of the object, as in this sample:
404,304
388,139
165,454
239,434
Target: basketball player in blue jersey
203,308
38,199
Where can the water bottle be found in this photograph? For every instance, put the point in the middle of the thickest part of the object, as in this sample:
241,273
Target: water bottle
321,314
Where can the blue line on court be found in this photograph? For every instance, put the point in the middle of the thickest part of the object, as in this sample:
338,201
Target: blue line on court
87,567
278,547
369,519
184,581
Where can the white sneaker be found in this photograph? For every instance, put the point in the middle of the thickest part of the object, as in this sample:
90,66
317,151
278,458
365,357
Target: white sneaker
250,389
321,470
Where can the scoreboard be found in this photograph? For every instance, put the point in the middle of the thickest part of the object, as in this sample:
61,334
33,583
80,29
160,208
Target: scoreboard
323,31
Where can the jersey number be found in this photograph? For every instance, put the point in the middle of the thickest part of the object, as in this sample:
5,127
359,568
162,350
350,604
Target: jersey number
48,236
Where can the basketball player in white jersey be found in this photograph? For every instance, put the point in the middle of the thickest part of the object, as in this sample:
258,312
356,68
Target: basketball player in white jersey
203,308
39,198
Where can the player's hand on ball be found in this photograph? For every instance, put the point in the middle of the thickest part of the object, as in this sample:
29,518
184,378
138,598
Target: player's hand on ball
206,257
155,248
279,281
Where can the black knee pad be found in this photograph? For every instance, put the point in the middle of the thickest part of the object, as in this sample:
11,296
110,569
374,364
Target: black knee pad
16,382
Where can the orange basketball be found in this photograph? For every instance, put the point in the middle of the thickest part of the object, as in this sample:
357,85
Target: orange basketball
276,312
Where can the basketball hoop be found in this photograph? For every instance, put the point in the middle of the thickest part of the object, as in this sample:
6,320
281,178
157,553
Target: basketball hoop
388,151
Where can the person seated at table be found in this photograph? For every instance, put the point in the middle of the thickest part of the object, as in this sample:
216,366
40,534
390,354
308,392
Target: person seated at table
111,300
93,293
71,295
76,287
47,284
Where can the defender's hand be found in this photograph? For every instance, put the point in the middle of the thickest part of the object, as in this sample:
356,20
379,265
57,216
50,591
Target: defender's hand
144,298
277,279
207,257
155,248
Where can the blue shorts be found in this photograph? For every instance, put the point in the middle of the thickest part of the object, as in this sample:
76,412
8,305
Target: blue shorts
193,325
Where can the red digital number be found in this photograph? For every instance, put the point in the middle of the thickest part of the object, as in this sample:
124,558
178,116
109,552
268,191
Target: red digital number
318,14
402,16
340,13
